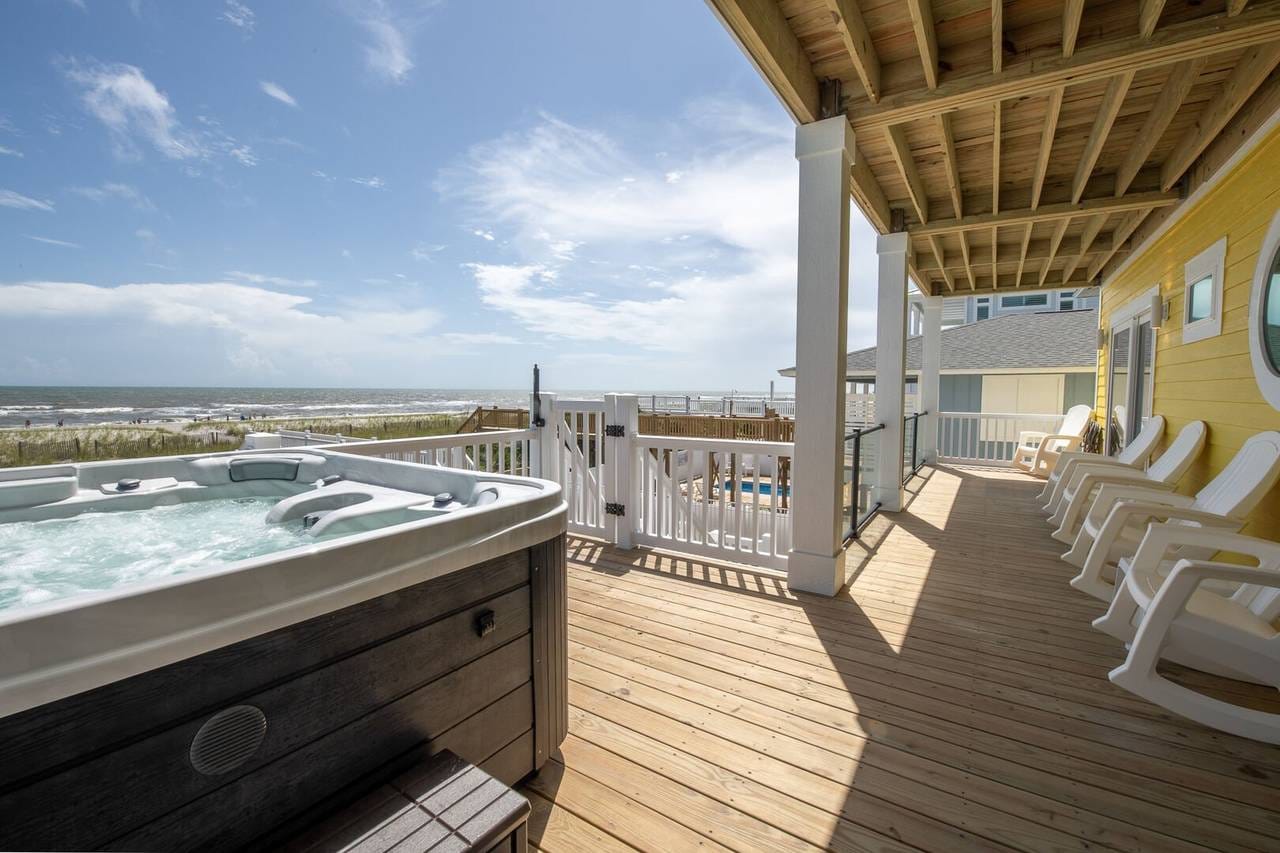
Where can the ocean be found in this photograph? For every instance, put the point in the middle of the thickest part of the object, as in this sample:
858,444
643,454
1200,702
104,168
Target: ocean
79,406
98,405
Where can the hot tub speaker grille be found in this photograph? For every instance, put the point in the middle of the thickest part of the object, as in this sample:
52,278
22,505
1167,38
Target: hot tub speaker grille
228,739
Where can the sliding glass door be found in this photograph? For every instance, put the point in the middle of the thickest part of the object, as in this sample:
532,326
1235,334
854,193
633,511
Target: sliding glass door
1129,389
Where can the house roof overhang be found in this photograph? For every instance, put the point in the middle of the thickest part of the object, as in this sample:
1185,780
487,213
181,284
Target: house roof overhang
1024,145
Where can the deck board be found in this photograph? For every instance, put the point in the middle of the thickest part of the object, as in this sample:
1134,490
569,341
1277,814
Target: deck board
954,696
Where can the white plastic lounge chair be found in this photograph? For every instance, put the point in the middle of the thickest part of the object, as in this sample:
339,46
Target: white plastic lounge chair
1134,455
1038,452
1119,517
1167,609
1078,495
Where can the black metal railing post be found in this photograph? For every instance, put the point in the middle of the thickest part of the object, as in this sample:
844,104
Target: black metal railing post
916,464
856,524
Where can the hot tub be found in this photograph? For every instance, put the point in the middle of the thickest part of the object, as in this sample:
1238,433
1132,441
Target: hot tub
211,650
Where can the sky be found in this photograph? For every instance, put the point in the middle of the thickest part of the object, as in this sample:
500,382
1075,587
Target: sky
395,194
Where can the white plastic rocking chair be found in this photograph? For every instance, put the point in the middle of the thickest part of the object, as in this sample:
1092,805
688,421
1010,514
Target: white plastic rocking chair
1212,616
1038,452
1078,495
1134,455
1119,517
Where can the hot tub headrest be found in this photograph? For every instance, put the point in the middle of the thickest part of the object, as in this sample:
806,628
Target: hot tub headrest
263,468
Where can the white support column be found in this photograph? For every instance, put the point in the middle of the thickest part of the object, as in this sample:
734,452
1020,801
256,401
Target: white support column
891,364
930,377
825,150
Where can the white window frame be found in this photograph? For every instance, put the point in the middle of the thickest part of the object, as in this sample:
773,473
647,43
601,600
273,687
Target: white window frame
1131,314
1266,377
1211,264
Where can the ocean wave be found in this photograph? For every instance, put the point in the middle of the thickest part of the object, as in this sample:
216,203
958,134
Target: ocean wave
99,410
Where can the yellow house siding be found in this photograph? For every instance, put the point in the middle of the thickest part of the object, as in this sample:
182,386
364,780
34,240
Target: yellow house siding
1212,379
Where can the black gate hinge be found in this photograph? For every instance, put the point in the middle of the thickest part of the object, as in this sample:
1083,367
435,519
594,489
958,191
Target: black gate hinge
615,509
615,430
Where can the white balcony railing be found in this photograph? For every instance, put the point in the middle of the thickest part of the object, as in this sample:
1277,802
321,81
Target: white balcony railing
498,452
983,438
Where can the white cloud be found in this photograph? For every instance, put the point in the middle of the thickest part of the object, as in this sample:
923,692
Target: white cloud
145,234
720,239
134,111
113,190
673,177
52,242
373,183
478,338
483,234
239,16
257,332
10,152
387,51
123,99
275,90
425,251
18,201
274,280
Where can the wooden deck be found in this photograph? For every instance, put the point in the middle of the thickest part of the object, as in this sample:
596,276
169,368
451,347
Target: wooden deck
954,697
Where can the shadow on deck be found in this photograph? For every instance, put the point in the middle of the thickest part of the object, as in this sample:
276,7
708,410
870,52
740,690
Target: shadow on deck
954,696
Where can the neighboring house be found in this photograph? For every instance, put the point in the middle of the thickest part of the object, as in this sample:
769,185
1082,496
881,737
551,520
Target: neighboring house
957,310
1033,363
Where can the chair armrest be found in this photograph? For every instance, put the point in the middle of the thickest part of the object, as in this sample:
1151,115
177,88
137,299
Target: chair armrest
1171,600
1029,435
1112,493
1161,538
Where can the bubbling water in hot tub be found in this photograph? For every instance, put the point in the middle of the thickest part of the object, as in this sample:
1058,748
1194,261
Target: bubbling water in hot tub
56,558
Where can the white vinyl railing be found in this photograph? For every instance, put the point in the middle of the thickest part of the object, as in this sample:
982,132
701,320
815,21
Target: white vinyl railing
496,452
720,498
986,438
306,438
575,457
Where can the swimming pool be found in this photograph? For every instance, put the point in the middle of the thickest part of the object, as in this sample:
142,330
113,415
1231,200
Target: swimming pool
748,487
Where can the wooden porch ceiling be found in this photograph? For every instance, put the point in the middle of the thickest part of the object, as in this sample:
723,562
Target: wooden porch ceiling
1022,143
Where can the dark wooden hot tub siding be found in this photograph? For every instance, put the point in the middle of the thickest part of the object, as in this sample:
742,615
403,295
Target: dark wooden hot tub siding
351,698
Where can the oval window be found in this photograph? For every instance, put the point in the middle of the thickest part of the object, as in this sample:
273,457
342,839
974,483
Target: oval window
1264,316
1270,325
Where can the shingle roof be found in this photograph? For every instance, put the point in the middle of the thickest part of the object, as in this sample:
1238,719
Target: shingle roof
1052,340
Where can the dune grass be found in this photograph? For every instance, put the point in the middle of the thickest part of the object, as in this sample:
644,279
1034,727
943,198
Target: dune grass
46,446
356,426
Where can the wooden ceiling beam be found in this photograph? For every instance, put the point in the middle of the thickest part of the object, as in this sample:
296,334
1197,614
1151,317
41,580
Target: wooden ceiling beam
763,33
1037,250
1235,7
968,264
1047,213
1161,113
856,38
1047,131
1072,12
1007,284
1055,242
997,36
1250,71
1102,122
869,194
897,140
995,158
1022,256
1090,233
1097,61
1122,233
1148,16
935,243
926,39
995,251
949,160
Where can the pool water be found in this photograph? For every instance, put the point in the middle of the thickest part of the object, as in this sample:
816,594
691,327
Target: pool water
747,487
47,560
